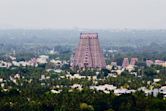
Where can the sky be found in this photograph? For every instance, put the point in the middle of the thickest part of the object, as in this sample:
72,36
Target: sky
95,14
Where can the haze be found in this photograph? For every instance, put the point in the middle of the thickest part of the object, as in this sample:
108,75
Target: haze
100,14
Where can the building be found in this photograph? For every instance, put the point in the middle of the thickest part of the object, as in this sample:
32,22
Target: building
133,61
89,54
149,63
159,62
125,62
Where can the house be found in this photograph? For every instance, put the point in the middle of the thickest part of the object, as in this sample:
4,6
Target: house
76,86
106,88
149,63
55,91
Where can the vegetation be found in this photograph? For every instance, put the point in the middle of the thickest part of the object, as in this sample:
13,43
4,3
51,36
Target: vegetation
33,96
86,100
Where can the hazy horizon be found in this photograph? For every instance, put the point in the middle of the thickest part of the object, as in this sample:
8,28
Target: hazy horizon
84,14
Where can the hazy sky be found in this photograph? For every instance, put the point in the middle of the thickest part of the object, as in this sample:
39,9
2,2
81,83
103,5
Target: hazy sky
138,14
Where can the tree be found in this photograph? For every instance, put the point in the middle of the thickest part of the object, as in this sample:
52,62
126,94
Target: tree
86,107
149,71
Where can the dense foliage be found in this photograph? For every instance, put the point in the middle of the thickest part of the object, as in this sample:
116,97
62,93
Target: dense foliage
40,99
33,96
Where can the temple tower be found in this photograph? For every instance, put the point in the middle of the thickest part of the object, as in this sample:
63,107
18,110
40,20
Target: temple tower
89,54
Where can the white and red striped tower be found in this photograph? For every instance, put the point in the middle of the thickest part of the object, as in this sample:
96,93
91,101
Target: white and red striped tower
89,54
125,62
133,61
